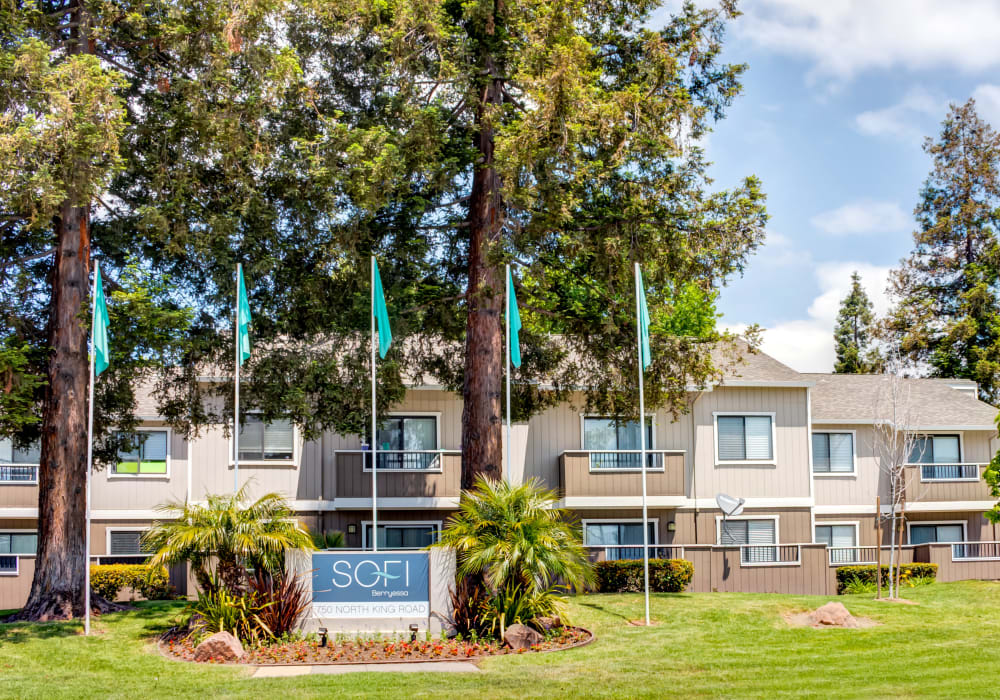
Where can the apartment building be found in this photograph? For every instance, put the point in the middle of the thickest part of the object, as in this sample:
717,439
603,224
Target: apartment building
799,448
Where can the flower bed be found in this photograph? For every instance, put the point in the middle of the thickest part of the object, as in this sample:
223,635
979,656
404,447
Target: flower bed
368,650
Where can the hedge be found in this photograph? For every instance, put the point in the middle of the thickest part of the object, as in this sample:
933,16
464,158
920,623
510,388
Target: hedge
150,582
866,573
625,575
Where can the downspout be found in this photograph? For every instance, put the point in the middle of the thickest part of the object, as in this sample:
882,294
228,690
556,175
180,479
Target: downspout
694,464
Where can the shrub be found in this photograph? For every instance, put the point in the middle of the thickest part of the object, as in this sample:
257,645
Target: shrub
151,582
857,586
515,605
625,575
283,600
329,540
915,581
218,610
867,573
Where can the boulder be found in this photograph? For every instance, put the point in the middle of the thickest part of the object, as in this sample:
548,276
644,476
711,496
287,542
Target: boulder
521,637
221,646
548,623
832,615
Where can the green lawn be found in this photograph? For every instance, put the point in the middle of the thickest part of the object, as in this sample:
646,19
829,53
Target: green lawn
706,645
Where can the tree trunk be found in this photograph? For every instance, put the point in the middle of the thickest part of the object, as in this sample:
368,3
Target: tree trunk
57,588
481,421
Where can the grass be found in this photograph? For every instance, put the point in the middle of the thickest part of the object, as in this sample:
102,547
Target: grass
705,645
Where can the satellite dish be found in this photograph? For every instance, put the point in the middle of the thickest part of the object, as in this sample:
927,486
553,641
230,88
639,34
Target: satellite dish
730,507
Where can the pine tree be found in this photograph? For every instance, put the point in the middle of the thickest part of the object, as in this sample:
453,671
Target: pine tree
854,334
946,307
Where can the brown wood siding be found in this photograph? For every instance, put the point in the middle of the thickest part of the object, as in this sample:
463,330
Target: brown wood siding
949,570
339,520
18,495
718,569
577,479
354,482
934,491
794,525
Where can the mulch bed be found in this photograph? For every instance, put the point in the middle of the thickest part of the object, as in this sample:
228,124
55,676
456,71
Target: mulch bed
370,651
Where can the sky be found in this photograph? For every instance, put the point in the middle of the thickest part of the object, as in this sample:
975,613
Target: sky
837,100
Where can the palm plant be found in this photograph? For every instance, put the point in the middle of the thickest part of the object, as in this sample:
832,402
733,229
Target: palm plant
229,531
514,536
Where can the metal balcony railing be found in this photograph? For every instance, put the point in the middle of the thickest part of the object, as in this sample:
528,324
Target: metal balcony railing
770,555
846,556
975,551
610,460
406,460
615,552
9,564
18,474
949,472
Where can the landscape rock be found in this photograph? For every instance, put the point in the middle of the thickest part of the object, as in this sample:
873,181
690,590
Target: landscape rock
221,646
548,623
521,637
832,615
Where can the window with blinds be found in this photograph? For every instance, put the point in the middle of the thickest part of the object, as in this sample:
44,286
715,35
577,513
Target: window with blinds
264,442
833,453
936,449
733,533
146,454
836,535
744,438
18,542
126,542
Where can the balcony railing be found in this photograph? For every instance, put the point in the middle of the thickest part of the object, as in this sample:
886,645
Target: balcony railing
119,558
18,474
9,564
770,555
949,472
845,556
612,460
616,552
975,551
405,460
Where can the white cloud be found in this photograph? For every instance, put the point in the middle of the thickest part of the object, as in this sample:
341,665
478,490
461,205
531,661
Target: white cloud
862,216
988,103
780,251
845,37
907,120
806,344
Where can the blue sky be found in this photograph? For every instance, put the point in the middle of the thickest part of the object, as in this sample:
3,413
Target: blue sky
837,100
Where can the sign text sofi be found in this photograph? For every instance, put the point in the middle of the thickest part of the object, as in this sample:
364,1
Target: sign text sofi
366,584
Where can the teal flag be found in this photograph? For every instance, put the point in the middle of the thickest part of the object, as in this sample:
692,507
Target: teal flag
381,314
644,352
99,330
243,318
514,325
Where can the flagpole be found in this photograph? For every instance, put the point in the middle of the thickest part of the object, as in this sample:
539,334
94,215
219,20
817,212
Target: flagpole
508,366
642,445
374,421
236,400
90,456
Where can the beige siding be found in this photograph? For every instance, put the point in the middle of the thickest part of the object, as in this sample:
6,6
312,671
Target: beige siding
794,525
577,478
354,482
126,492
18,496
788,478
718,569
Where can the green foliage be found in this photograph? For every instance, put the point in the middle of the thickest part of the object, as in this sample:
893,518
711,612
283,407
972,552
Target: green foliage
626,575
946,312
858,586
916,581
150,581
513,604
230,532
283,601
334,539
866,574
854,333
219,610
19,388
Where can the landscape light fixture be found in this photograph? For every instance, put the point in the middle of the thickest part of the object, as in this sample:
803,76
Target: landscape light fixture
322,636
413,632
352,529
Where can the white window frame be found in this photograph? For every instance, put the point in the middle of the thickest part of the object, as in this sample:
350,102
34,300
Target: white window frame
583,421
963,523
855,523
113,475
854,456
31,482
107,540
942,433
775,518
23,464
619,521
747,462
439,524
437,437
293,462
17,531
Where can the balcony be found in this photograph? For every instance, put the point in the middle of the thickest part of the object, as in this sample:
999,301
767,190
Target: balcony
770,555
617,474
18,474
849,556
946,482
406,478
602,552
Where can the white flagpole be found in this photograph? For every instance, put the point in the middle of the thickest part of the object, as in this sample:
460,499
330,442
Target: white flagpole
374,421
642,447
236,400
90,459
507,467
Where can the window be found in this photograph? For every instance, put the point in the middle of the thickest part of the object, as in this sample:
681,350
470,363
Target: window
403,536
933,532
739,532
936,449
744,438
837,535
124,542
266,442
614,535
410,441
147,454
833,453
18,542
607,436
11,454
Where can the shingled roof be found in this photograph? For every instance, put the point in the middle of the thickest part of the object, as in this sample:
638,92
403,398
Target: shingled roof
740,365
933,403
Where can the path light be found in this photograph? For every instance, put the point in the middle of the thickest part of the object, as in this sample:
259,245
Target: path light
413,632
322,636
